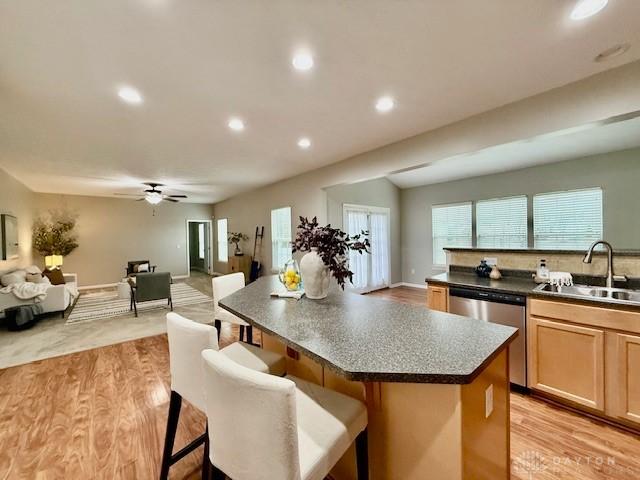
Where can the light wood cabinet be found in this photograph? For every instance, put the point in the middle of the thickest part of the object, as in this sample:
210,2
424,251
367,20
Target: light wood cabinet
586,355
567,361
241,264
438,298
626,362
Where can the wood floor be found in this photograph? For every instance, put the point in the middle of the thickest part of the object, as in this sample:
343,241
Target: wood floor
101,414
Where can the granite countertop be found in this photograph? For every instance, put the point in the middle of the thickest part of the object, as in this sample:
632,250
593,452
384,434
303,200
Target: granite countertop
371,339
521,285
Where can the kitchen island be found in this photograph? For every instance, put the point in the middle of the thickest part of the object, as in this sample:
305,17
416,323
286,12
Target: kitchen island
435,384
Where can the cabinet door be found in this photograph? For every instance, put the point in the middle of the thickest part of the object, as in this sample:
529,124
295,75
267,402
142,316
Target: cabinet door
437,298
627,384
567,361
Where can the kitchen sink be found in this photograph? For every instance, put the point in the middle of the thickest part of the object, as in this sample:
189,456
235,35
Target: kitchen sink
617,295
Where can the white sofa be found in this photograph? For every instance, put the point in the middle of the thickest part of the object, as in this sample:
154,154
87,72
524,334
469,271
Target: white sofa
58,298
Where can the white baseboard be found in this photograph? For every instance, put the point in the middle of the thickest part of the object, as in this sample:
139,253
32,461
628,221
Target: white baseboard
407,284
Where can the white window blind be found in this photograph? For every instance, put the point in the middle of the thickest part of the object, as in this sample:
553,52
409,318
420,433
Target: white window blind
451,227
223,246
280,237
569,220
502,222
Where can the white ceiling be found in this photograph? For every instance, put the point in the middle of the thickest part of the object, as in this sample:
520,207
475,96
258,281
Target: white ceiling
198,62
555,147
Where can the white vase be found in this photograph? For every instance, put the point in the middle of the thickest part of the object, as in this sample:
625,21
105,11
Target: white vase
315,275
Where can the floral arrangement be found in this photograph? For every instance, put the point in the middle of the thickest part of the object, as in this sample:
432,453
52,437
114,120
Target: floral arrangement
54,235
333,246
236,238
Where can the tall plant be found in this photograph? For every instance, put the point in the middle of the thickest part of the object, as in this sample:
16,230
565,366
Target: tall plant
54,234
333,246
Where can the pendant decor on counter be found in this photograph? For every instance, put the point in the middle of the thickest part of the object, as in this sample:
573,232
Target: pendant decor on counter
495,273
289,276
315,274
327,255
483,270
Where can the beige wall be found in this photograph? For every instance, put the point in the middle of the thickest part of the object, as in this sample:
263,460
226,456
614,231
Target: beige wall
112,231
17,200
617,173
373,193
611,93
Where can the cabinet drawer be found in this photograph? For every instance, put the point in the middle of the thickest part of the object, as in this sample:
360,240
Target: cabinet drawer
438,298
567,361
625,320
627,382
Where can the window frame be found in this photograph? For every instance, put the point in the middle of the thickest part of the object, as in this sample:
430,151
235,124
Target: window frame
471,205
225,243
572,190
527,230
275,268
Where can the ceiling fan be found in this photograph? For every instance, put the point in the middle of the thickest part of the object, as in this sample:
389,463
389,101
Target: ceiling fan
153,195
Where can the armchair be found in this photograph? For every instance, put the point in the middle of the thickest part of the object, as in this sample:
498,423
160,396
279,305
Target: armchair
132,267
146,287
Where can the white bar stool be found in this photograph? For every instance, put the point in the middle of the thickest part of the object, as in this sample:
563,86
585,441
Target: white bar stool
264,427
187,339
224,286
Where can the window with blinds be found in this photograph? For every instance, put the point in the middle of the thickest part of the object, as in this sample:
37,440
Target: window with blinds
451,227
502,222
569,220
223,245
280,237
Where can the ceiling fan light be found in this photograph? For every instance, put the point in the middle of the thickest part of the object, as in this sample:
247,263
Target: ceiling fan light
153,198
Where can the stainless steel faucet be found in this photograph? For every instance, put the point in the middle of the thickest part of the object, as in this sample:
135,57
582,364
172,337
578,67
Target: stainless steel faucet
610,275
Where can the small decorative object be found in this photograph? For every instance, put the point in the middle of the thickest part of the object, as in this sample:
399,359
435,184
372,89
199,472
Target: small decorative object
495,273
8,237
54,236
52,262
483,270
327,254
236,238
290,276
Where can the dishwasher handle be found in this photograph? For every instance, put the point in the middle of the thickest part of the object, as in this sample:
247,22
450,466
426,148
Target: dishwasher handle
488,296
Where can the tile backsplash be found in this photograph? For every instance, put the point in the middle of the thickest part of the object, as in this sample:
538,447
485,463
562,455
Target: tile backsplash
628,265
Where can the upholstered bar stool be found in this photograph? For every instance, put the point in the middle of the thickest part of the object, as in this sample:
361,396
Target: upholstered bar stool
224,286
187,339
264,427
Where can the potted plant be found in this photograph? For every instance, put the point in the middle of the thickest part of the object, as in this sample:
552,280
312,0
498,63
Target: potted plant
54,235
327,254
236,238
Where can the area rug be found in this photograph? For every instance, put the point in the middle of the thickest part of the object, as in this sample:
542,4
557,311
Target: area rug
98,306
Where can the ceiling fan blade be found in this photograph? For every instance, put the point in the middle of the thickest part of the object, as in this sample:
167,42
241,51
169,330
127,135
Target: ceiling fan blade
170,200
176,196
127,194
140,199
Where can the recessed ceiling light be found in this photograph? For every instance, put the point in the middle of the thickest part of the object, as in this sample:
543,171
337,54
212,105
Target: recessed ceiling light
612,52
130,95
304,143
384,104
236,124
302,61
587,8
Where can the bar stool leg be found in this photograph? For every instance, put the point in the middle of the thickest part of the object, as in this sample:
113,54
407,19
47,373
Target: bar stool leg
172,425
206,464
218,325
362,455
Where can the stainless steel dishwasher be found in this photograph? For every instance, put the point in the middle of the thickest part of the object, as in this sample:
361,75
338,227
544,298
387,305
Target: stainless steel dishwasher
500,308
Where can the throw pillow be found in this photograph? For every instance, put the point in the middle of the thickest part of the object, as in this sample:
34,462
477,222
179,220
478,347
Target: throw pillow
55,276
143,267
17,276
34,277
